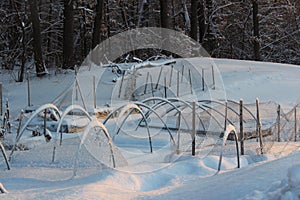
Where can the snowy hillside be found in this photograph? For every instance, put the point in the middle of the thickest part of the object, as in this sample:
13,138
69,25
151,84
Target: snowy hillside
91,166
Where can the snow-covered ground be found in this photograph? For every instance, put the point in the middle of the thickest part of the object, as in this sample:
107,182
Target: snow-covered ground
163,174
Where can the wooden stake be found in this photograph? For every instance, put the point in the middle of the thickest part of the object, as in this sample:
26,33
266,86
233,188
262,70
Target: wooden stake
178,74
194,129
191,83
242,127
171,74
152,89
295,124
278,123
226,115
120,89
94,91
28,89
165,86
1,102
158,78
145,90
45,121
202,79
213,77
259,126
182,73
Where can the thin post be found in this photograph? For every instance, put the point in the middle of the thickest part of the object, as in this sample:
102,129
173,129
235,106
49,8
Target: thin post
28,89
20,123
194,128
182,73
178,74
259,126
213,77
226,115
178,131
145,90
94,91
295,114
120,89
278,123
191,84
45,121
202,79
242,127
158,78
152,89
1,103
165,86
171,76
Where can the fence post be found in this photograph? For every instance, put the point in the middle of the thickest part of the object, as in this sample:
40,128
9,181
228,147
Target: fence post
145,90
191,83
178,131
1,102
121,85
226,112
213,77
182,73
242,127
161,68
170,83
194,129
94,91
165,86
178,74
295,123
278,123
28,89
202,79
45,121
259,126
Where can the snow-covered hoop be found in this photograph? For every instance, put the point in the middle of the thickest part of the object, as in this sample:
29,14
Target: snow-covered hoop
100,83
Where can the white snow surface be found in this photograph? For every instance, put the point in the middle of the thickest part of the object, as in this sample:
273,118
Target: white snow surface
164,175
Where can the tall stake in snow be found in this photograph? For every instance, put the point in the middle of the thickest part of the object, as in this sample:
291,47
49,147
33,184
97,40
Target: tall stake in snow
28,89
161,68
171,74
213,77
145,90
94,91
122,80
241,127
178,74
194,129
191,84
202,79
1,100
295,114
226,112
259,126
278,123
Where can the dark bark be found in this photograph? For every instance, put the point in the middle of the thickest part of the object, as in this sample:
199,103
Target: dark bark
164,14
68,35
194,21
256,44
37,41
201,21
97,23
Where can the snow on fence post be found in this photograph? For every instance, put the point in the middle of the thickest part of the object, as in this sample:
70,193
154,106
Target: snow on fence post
161,68
28,88
278,123
295,125
213,77
259,133
242,127
178,74
1,107
191,83
171,74
194,128
202,79
94,91
145,89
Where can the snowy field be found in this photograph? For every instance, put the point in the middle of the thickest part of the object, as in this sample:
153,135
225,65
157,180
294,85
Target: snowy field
165,173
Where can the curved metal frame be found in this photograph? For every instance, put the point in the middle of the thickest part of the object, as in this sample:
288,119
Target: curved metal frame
124,108
229,130
4,155
40,109
93,124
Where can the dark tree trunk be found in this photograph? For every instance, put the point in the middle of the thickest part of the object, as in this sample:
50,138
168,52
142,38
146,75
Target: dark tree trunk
97,24
164,14
256,46
68,34
201,21
194,20
37,41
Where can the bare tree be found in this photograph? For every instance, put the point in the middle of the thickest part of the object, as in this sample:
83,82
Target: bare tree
194,20
68,35
255,30
97,23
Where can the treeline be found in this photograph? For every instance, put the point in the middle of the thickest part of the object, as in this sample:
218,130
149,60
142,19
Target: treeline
60,33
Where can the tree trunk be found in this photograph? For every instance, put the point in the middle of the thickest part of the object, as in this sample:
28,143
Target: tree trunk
37,41
97,24
194,15
164,14
68,35
256,46
201,21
